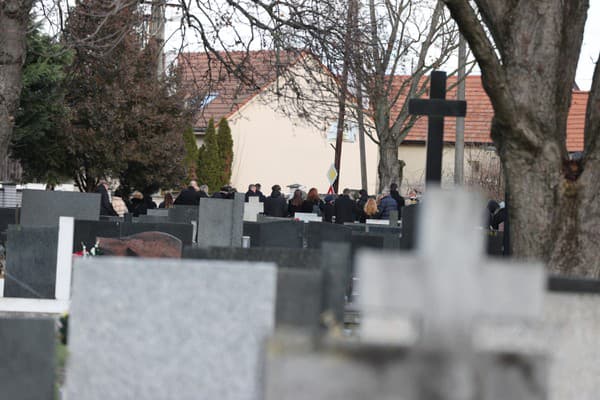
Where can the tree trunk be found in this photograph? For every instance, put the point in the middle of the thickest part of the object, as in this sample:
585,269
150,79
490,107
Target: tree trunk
390,168
529,74
13,27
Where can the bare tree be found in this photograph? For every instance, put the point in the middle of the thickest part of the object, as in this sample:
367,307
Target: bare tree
528,56
382,39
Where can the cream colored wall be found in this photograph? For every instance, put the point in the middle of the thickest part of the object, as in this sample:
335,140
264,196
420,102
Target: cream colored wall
272,146
414,155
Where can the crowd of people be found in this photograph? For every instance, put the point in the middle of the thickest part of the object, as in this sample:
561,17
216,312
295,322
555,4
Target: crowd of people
332,208
338,209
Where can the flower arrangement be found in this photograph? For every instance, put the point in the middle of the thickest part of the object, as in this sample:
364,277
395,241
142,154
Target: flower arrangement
94,251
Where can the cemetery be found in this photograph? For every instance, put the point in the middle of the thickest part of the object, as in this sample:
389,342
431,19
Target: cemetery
131,268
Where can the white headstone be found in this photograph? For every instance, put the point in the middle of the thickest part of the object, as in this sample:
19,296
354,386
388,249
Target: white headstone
448,283
252,208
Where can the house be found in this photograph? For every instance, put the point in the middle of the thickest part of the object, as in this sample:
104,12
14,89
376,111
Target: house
481,161
283,125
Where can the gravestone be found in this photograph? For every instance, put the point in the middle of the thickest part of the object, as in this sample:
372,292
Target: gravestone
31,261
44,207
8,216
286,233
282,257
298,368
319,232
307,217
133,335
158,212
220,221
27,358
410,217
145,244
183,232
436,108
86,232
183,214
299,301
252,208
446,285
336,263
567,333
153,219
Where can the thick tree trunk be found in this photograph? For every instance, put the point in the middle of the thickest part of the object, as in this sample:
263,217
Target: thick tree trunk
528,72
13,27
390,168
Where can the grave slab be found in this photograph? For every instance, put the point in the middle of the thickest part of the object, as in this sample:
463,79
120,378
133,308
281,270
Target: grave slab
31,262
145,244
319,232
183,232
284,233
133,335
221,221
27,358
299,300
43,207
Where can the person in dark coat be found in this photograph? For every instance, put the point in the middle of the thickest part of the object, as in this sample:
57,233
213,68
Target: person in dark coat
138,205
188,196
223,193
313,203
167,202
106,207
261,196
329,208
275,204
251,193
295,203
386,205
345,208
396,196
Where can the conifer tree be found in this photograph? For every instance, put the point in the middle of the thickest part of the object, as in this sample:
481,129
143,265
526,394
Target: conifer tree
225,150
209,169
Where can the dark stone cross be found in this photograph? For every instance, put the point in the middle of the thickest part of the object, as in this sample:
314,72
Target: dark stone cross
436,108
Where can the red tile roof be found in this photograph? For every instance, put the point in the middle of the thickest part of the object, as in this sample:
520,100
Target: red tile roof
480,112
202,74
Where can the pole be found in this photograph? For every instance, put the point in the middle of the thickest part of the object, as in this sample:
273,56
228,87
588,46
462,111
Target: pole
342,98
359,98
157,30
459,148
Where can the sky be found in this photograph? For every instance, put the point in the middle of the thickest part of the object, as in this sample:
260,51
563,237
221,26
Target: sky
591,47
585,70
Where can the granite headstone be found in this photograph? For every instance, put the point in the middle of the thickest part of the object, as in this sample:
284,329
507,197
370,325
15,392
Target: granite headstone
27,358
133,335
31,261
220,221
43,207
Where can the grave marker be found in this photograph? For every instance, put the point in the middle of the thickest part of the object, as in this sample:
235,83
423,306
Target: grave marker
27,358
44,207
133,335
436,108
220,221
252,208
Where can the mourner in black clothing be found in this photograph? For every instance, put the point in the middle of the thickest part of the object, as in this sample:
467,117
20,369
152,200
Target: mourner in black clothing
275,204
189,196
345,208
261,196
295,204
251,193
329,208
313,203
106,207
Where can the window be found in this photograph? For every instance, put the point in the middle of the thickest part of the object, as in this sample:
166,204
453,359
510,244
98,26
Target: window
350,132
199,102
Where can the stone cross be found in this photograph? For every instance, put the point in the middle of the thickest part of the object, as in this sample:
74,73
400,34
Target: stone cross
436,108
448,283
252,208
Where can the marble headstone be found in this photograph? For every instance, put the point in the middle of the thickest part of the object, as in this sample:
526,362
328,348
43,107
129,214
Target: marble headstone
168,329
